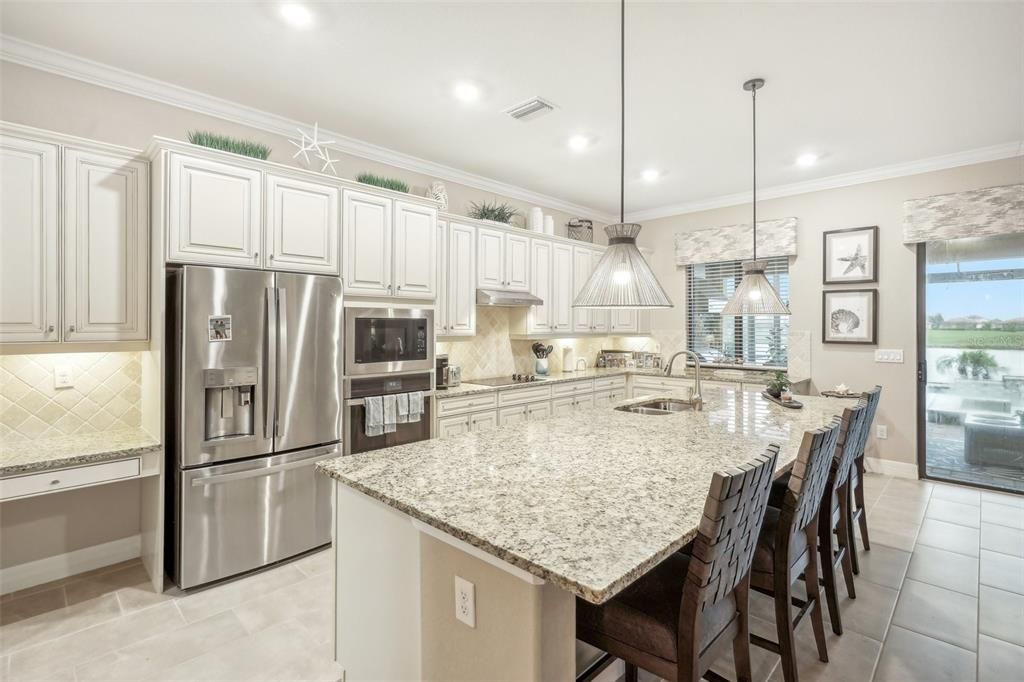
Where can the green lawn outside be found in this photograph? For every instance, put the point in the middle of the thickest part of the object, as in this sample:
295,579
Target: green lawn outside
991,339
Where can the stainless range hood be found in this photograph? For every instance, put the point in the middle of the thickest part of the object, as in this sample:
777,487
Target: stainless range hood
499,297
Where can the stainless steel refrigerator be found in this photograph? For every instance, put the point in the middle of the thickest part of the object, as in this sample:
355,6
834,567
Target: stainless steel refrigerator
254,377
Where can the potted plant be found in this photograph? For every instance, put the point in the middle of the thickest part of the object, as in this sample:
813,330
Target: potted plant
777,384
495,212
393,184
974,364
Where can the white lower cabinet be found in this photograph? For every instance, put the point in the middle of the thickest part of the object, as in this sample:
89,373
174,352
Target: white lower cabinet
529,412
478,421
569,404
466,423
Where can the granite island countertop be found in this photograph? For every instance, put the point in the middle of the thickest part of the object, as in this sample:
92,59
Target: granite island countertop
33,456
588,501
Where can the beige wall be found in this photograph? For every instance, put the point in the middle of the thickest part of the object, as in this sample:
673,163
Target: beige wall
45,100
877,203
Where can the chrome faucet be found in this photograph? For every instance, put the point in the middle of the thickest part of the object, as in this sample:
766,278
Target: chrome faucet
696,372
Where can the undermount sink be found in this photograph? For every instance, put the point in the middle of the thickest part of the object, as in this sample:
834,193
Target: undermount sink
661,406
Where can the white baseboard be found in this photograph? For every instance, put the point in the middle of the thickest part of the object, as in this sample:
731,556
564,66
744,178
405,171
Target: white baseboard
14,578
889,467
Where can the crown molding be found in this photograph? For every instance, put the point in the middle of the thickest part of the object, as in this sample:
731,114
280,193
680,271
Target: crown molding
897,170
68,65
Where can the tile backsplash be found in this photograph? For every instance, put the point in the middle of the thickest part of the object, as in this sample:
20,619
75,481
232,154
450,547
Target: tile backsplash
105,396
492,353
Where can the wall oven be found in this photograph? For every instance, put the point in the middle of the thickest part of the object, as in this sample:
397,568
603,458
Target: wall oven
359,388
388,340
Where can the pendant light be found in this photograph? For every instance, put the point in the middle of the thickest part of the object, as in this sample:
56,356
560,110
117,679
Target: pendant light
622,278
755,295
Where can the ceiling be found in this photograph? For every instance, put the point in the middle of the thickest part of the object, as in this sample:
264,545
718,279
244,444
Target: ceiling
862,85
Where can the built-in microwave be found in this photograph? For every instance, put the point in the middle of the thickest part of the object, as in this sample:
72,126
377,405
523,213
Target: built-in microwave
386,340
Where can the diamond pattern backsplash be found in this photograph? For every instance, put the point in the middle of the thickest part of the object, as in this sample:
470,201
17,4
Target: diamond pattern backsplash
492,353
106,395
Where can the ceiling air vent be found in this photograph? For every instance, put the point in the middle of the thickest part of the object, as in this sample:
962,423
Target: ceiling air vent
530,109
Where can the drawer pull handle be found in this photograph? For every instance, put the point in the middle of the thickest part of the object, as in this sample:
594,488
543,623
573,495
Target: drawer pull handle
55,481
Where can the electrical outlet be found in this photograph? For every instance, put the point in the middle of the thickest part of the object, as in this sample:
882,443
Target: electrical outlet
63,376
465,601
890,355
882,431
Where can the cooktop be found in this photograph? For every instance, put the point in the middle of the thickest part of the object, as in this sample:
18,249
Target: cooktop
506,380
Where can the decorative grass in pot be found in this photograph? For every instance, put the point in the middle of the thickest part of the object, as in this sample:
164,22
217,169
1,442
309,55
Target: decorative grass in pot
499,213
777,384
256,150
380,181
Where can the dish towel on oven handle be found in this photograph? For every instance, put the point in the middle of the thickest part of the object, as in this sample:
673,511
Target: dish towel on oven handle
374,416
390,413
403,408
415,405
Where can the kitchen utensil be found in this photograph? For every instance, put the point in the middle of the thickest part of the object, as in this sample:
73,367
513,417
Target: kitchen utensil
548,350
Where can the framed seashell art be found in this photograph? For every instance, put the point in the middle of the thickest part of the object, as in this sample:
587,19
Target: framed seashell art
849,316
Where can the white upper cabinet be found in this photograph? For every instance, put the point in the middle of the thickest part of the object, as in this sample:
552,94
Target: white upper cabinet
302,226
539,316
460,296
490,261
213,212
581,268
106,247
29,277
441,302
623,321
517,262
367,244
562,293
415,244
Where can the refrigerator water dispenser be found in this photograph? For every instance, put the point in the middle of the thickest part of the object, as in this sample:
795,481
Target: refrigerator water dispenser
230,401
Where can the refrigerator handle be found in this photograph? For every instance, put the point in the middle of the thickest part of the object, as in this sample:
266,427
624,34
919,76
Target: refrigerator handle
282,348
270,373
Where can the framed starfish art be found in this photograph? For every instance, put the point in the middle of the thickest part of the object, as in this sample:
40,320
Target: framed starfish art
850,256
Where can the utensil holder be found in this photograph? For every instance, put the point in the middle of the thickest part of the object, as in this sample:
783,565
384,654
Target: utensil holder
541,366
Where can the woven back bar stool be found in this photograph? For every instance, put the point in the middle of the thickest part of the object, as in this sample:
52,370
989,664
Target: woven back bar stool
676,620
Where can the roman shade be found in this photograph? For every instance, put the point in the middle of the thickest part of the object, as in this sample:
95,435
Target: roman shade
976,213
735,242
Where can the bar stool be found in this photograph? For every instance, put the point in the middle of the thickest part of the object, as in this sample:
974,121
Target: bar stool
788,546
676,620
835,534
858,510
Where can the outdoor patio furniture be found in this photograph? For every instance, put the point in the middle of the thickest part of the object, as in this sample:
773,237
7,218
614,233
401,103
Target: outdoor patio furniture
994,440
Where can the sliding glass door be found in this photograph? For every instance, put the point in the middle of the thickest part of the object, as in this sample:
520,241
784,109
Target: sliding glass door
971,361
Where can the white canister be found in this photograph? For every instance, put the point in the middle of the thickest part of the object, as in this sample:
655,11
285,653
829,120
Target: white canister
536,219
549,225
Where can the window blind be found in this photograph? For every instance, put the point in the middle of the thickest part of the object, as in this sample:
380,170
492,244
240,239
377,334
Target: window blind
759,339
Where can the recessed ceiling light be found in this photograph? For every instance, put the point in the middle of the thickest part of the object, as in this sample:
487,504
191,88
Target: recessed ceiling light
807,160
651,174
466,92
578,143
296,15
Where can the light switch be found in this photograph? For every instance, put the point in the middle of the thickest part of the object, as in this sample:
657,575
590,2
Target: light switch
881,431
889,355
63,376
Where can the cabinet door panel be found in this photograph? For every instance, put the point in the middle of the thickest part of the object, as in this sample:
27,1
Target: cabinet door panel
563,406
561,288
415,274
581,267
106,247
539,316
29,278
367,229
213,213
517,262
512,415
441,302
623,321
302,225
598,318
461,280
539,410
452,426
483,420
490,260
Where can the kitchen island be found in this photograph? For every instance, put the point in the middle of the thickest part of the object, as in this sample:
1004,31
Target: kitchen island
534,515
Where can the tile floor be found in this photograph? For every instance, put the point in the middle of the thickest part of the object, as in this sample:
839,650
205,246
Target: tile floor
940,597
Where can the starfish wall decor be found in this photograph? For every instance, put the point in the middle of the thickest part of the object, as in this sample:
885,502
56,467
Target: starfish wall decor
858,261
311,143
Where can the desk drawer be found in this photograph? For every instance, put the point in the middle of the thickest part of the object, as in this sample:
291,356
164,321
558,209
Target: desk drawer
466,403
66,479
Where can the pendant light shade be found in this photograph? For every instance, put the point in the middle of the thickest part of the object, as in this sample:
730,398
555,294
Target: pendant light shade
755,295
622,278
